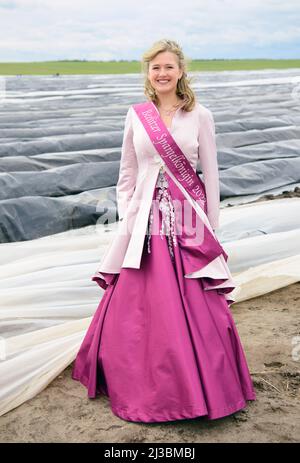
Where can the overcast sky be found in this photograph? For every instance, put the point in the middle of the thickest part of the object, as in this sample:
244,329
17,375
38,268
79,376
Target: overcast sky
38,30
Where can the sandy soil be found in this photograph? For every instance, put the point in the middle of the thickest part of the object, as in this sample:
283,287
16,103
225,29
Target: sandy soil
266,325
285,194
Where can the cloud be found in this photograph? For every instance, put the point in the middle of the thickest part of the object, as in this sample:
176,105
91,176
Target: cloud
115,29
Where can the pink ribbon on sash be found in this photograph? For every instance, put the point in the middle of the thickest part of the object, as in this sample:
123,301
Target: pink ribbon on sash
170,152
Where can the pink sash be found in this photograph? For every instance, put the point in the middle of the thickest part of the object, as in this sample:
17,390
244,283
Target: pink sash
176,161
170,152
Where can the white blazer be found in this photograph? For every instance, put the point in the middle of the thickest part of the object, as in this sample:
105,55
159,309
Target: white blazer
194,132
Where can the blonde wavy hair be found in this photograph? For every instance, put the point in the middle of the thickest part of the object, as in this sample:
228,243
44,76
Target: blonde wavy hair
183,90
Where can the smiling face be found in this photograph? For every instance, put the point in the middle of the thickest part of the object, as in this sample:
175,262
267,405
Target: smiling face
164,72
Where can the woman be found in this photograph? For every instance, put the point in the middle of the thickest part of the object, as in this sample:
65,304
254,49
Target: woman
162,344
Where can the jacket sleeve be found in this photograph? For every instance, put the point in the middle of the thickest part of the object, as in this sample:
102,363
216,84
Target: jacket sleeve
207,153
128,168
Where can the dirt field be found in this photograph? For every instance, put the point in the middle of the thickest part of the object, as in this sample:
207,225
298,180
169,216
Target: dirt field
266,325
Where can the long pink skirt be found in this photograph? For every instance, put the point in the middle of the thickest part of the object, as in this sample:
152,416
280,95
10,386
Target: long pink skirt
160,346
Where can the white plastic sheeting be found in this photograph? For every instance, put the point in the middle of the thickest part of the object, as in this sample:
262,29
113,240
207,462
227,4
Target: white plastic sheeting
48,299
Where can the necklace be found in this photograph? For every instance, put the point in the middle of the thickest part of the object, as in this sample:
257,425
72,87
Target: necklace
173,108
